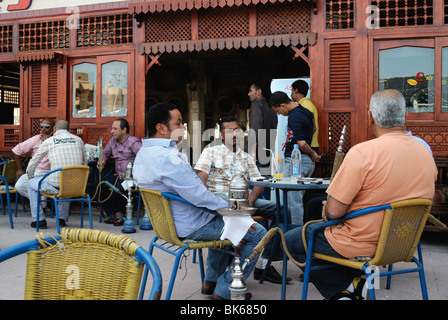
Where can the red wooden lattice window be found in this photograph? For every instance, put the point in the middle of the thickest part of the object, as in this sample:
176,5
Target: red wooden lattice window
340,14
284,18
336,123
43,36
5,39
404,12
104,30
445,11
168,26
227,22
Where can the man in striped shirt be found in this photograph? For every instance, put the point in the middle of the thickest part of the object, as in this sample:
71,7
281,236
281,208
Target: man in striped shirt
63,149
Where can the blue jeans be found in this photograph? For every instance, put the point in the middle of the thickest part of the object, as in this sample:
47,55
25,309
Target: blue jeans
295,203
330,281
38,214
217,261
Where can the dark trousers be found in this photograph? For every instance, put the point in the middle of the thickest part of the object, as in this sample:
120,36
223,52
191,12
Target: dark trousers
116,202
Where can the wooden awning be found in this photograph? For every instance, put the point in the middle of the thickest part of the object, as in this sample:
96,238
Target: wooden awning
228,43
174,5
35,56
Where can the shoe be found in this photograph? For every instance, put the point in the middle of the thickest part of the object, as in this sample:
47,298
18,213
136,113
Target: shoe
208,287
219,298
119,222
42,224
110,220
271,275
359,292
62,222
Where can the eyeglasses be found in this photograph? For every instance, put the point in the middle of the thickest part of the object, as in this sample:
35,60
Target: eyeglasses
47,126
230,131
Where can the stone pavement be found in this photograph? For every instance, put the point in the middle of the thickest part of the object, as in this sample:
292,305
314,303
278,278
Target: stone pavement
187,286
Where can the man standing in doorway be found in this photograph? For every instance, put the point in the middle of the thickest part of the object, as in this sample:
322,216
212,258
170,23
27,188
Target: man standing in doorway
123,148
299,92
263,121
300,131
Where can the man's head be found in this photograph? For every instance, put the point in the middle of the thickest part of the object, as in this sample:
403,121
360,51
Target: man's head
388,109
230,131
280,102
255,92
120,129
299,90
61,125
46,126
164,120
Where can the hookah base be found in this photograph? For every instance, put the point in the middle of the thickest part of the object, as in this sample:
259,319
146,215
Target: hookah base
129,227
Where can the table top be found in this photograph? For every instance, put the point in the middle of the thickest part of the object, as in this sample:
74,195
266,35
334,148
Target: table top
292,184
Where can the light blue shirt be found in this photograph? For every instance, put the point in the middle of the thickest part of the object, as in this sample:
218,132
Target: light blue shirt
160,166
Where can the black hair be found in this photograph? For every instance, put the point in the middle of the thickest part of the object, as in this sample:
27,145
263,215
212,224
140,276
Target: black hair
226,119
279,97
123,124
158,113
301,86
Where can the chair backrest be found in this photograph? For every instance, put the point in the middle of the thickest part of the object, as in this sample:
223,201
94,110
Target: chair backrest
9,172
159,212
73,181
84,265
401,230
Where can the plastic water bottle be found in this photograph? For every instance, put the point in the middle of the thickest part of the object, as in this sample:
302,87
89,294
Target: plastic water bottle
296,159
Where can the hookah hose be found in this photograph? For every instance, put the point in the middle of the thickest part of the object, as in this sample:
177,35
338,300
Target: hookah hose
260,246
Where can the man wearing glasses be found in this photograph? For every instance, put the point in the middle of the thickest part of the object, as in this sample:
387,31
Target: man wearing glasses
29,147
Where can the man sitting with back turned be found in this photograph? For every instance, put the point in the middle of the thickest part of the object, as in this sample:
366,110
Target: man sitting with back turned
160,166
63,149
390,168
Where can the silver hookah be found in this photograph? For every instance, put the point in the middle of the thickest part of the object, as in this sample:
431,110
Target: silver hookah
238,196
129,224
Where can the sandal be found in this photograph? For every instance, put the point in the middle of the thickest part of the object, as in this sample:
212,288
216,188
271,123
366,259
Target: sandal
119,221
110,220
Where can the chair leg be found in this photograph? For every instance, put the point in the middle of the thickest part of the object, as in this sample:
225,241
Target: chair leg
174,272
9,209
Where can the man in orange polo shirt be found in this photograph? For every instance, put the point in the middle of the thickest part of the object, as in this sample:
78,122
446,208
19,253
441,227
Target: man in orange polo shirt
389,168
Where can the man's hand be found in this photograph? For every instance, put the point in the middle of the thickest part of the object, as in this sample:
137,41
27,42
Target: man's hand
19,173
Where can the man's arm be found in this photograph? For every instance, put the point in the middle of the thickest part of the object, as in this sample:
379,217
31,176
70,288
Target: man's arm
333,209
203,177
305,148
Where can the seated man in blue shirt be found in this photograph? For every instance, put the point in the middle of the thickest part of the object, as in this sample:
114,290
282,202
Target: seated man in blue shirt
160,166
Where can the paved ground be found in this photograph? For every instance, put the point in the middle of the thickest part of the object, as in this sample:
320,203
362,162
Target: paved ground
187,286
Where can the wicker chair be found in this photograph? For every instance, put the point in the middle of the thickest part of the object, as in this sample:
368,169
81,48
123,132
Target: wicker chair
72,187
402,227
84,264
7,180
159,211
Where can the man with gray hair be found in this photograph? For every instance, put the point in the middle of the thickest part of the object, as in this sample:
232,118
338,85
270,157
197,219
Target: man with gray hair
389,168
63,149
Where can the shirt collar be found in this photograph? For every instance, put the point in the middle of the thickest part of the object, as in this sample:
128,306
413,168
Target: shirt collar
150,142
237,152
60,131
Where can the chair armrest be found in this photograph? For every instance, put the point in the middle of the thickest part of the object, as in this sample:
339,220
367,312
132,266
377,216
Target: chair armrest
351,215
169,195
46,175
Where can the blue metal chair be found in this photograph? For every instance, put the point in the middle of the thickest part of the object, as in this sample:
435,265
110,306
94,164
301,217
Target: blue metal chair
7,179
72,187
159,211
85,264
402,227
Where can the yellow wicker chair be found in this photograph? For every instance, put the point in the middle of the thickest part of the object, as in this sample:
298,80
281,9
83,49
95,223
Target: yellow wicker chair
402,227
84,264
72,187
7,180
159,211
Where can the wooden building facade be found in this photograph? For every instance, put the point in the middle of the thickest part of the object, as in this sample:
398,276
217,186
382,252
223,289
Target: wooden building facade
93,63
